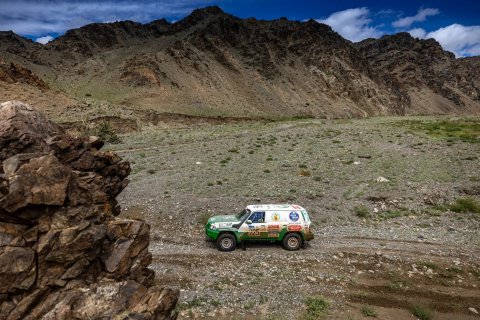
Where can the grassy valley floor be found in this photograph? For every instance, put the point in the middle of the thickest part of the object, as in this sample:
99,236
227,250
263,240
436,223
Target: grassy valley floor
395,204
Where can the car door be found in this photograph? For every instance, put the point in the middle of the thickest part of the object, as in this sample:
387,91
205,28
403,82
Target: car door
257,229
274,224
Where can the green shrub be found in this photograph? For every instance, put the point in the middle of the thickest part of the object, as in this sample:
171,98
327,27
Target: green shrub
316,308
369,312
465,205
225,160
361,212
105,132
421,312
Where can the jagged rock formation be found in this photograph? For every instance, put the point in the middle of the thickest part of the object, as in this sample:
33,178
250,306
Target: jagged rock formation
422,67
15,73
212,63
63,253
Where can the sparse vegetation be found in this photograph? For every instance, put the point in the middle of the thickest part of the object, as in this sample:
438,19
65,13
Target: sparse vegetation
304,173
249,305
390,214
104,131
429,265
369,312
465,205
316,308
466,130
361,212
422,312
398,284
226,160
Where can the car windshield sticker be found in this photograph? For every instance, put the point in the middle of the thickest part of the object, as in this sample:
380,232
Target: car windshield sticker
293,216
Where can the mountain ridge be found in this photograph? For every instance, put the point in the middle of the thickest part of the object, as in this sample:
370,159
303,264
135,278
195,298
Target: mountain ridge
215,64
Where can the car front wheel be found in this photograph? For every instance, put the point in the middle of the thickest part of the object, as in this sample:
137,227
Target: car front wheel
226,242
292,241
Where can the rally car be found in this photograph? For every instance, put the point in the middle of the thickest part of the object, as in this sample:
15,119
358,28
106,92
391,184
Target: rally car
287,223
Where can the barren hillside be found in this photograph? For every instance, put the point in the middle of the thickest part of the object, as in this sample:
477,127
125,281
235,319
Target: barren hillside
214,64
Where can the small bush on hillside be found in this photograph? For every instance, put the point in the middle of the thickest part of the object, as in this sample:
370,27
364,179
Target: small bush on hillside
369,312
304,173
361,212
105,131
421,312
465,205
316,308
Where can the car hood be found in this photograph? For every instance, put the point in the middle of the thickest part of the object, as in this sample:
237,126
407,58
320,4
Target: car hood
225,218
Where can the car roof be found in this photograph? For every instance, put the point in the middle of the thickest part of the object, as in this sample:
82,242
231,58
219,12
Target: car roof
276,207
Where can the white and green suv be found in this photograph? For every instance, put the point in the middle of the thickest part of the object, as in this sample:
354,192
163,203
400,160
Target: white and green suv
270,222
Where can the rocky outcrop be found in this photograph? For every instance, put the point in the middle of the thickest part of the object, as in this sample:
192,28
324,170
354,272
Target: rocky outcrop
63,252
422,64
13,72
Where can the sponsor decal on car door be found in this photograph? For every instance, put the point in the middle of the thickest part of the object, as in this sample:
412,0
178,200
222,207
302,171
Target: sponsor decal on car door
257,229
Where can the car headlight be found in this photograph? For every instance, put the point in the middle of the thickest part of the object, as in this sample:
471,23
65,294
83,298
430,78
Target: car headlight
212,227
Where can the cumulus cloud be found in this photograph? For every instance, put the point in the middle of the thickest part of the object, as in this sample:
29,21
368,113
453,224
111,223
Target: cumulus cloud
421,15
459,39
353,24
44,40
41,17
418,33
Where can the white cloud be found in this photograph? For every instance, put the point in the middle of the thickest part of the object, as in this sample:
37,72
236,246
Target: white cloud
44,40
459,39
421,15
41,17
353,24
418,33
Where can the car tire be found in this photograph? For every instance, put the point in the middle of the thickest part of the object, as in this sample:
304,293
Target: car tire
292,241
226,242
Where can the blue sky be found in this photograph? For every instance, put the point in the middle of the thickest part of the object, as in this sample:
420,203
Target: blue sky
455,24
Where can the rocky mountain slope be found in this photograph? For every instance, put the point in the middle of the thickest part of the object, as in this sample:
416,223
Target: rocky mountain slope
212,63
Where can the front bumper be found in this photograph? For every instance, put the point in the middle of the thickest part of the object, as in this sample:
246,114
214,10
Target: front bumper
211,234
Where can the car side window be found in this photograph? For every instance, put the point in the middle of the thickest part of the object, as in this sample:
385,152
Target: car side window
258,217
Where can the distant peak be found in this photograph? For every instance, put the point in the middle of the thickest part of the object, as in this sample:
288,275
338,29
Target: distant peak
202,14
210,10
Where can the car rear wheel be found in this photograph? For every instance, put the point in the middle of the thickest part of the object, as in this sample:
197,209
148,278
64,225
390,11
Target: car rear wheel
292,241
226,242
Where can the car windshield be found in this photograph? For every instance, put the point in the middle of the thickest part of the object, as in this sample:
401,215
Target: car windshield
242,214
